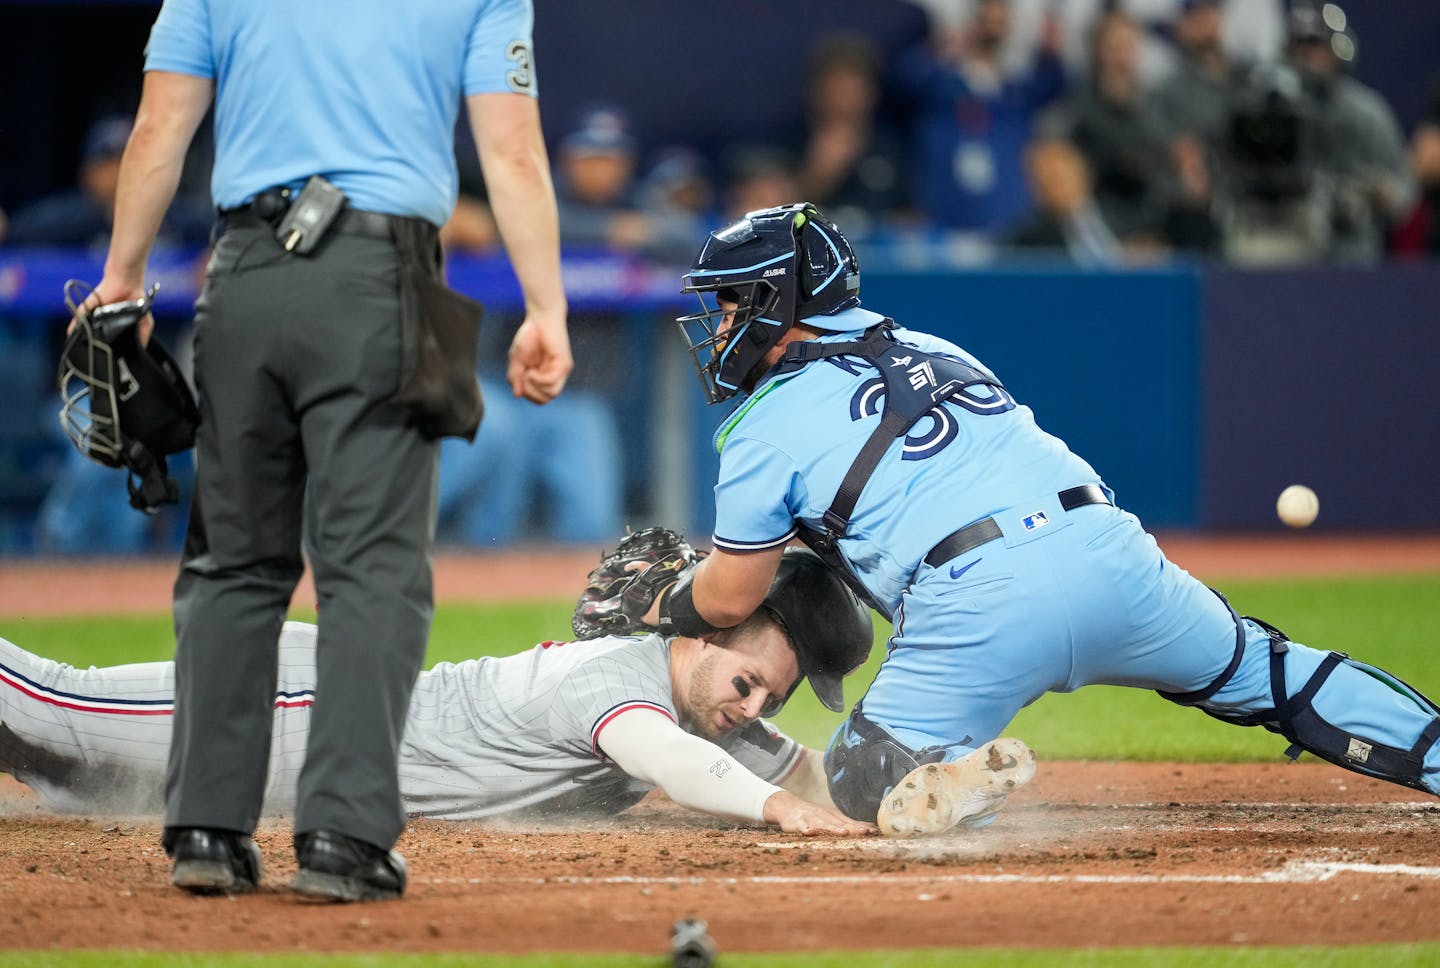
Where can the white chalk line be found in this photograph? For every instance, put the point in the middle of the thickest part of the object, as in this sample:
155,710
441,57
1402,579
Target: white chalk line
1296,872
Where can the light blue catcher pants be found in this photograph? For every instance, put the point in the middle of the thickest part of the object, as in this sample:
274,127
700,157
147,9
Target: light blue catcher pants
1090,599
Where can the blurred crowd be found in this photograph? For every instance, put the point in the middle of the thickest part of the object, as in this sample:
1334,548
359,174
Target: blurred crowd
1101,132
1104,132
1104,129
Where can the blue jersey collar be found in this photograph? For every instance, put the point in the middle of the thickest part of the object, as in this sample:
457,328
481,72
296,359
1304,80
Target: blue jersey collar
843,323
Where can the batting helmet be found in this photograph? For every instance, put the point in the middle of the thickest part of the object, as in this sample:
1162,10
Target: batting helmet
831,631
124,405
781,265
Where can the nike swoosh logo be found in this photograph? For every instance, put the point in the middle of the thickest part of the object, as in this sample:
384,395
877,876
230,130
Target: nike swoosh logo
957,572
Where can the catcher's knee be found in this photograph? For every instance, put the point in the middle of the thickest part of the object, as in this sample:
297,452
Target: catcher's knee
1308,730
864,762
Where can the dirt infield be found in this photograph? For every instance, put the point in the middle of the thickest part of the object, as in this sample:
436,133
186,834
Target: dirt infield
1089,855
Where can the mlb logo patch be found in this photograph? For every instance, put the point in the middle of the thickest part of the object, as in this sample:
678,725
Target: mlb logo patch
1036,521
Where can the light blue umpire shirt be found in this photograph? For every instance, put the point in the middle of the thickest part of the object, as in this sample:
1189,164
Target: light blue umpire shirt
313,87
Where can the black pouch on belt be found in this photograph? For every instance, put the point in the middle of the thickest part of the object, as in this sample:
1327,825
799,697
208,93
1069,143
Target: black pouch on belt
440,331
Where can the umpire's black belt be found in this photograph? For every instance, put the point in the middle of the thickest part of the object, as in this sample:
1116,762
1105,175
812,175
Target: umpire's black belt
986,530
351,221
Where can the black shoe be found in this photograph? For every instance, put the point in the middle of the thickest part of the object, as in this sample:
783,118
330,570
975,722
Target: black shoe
340,868
212,861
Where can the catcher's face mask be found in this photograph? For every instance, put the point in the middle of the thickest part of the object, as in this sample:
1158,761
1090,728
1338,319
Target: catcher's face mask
755,279
124,405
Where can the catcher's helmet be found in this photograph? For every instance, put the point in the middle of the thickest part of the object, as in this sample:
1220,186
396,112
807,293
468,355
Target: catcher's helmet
124,405
831,631
781,265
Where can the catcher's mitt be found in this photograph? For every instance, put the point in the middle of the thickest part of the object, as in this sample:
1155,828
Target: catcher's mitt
620,590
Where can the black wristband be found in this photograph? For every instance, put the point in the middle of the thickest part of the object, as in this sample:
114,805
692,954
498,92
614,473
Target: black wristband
677,609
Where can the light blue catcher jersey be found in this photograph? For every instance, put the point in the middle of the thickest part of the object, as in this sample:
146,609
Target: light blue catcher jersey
785,450
363,92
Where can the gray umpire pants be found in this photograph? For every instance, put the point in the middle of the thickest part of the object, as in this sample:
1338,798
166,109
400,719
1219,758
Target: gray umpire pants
294,360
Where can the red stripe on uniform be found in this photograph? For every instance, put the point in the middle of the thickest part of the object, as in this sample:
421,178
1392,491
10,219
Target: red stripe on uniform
121,710
595,733
790,770
52,701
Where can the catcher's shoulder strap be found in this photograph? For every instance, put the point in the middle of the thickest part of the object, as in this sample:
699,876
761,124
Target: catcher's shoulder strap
916,382
823,544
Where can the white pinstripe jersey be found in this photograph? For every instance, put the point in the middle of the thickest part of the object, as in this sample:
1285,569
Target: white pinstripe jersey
483,737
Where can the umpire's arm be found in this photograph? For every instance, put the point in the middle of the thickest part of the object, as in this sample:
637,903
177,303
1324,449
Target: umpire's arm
522,198
171,108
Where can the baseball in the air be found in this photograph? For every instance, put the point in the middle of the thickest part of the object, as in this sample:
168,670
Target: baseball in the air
1297,506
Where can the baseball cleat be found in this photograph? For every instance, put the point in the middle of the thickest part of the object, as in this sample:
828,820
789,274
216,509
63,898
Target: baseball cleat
213,861
938,796
335,867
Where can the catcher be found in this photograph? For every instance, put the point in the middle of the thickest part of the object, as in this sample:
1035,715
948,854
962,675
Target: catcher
563,729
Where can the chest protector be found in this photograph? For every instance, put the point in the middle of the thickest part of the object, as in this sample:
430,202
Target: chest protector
916,383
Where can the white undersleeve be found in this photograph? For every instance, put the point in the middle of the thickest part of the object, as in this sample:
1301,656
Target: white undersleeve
693,772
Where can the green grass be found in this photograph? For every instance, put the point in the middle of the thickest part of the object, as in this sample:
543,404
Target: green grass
458,632
1366,956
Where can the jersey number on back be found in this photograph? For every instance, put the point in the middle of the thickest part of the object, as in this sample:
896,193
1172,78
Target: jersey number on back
937,428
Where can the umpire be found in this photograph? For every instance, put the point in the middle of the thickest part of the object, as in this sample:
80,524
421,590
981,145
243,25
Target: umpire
334,166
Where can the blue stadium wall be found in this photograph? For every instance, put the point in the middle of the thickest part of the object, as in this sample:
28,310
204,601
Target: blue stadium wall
1197,392
1327,377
